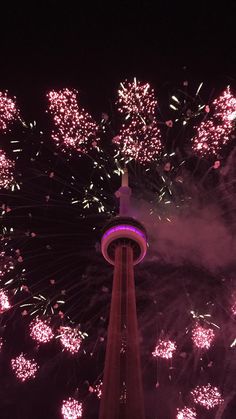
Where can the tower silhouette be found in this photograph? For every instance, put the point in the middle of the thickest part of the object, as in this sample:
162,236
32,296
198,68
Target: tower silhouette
124,244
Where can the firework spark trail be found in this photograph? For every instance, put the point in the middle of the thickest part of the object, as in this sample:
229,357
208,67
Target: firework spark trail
8,110
75,128
212,134
139,137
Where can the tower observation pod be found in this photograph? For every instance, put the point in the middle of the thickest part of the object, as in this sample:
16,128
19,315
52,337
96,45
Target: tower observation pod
124,244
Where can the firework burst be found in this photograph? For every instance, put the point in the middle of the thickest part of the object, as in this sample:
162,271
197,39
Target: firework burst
139,137
71,339
8,110
207,396
212,134
6,171
186,413
164,349
41,331
202,337
75,128
71,409
24,368
4,301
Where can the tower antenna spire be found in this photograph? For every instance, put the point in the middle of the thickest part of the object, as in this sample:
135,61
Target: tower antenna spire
124,193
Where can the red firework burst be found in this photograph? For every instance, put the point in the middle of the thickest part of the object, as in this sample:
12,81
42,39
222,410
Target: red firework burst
207,396
70,339
8,110
6,171
186,413
202,337
164,349
41,331
4,301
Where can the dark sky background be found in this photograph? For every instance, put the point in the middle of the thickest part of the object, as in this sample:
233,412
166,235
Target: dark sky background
92,46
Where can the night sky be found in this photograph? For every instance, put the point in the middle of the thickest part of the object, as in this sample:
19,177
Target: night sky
92,47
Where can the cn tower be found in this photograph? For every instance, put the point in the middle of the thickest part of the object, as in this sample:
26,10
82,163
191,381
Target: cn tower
124,244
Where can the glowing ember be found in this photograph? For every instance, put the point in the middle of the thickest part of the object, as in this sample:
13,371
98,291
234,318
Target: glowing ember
75,128
207,396
70,338
8,110
186,413
164,349
139,137
6,172
24,368
202,337
71,409
214,133
41,331
4,301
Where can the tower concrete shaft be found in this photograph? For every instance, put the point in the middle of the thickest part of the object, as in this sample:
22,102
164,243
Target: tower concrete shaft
122,393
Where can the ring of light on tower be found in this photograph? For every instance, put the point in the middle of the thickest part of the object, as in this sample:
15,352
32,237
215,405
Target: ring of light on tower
124,230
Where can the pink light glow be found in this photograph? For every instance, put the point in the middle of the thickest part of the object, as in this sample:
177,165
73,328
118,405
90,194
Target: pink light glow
70,339
71,409
207,396
8,110
24,368
4,302
186,413
6,171
164,349
213,133
41,331
75,128
139,137
202,337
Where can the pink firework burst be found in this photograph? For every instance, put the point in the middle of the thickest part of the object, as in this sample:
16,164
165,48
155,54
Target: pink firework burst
186,413
4,301
207,396
212,134
202,337
8,110
71,409
24,368
75,128
139,137
70,339
164,349
233,308
6,171
41,331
